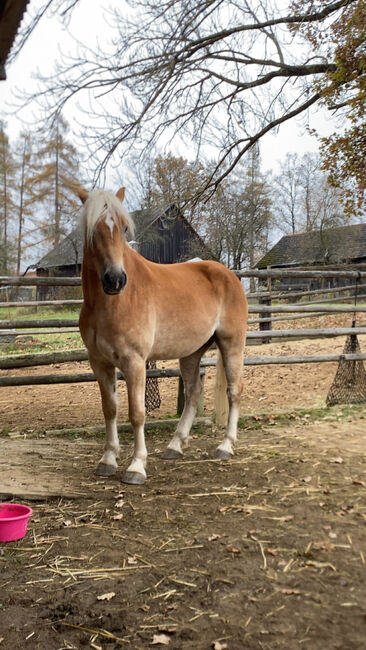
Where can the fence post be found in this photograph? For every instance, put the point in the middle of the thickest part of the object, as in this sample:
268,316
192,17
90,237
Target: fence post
221,399
266,301
180,398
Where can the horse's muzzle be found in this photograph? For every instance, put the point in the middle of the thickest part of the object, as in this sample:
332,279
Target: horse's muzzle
113,281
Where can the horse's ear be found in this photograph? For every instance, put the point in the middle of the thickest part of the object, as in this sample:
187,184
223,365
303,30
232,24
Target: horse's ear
121,194
83,194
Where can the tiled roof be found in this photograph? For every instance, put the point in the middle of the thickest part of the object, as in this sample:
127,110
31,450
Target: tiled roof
344,244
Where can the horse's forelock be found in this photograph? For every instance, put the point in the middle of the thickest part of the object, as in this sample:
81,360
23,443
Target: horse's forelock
101,203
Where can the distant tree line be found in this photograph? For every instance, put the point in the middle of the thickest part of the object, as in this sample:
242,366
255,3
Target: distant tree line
248,212
37,208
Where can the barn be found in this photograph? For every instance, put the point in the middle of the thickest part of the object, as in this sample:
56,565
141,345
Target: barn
332,247
163,235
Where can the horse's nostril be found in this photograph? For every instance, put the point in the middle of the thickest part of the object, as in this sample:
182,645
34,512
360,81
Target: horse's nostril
114,281
123,279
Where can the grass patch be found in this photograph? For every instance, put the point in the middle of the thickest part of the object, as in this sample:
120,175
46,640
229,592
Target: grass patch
338,412
39,342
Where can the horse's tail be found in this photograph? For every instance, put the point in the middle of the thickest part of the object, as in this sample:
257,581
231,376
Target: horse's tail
221,401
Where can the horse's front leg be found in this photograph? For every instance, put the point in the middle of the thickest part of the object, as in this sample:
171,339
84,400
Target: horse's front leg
135,375
106,377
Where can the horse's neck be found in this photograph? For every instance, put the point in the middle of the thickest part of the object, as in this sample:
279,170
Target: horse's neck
91,285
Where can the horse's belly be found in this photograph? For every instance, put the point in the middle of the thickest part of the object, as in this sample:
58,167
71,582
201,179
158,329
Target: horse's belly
178,342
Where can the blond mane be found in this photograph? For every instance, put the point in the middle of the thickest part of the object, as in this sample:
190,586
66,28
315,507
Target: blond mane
100,204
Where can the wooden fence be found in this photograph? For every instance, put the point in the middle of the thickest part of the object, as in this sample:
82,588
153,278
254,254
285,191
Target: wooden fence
263,303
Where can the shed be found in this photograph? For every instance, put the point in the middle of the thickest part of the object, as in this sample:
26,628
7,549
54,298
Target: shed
163,235
332,247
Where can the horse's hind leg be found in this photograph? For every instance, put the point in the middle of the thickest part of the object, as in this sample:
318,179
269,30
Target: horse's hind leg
232,356
106,377
190,370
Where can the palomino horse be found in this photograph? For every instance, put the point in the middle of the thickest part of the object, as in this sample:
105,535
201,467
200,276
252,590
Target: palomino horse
135,310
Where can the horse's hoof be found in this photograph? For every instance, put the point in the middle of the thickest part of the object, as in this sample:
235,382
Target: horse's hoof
171,454
133,478
221,454
103,469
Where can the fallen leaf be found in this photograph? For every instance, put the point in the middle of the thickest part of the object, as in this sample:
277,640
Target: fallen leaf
160,639
358,481
131,559
167,628
306,479
107,596
145,608
219,646
233,549
323,546
272,551
67,522
332,535
117,517
213,537
119,503
338,460
291,592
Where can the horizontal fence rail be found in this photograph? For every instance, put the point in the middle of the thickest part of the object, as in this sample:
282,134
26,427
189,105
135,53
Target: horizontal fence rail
41,303
163,373
300,273
286,294
265,308
39,281
49,358
26,324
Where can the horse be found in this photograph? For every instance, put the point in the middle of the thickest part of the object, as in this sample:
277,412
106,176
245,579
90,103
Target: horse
135,310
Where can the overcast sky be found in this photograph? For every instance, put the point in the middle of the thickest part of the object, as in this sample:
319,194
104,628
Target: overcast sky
89,24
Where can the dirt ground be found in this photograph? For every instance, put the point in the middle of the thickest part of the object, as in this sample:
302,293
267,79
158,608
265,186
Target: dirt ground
277,388
265,551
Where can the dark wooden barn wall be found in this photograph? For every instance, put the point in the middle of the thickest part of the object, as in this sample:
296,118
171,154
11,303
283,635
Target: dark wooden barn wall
168,245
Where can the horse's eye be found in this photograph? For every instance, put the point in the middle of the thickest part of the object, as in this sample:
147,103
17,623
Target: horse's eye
125,228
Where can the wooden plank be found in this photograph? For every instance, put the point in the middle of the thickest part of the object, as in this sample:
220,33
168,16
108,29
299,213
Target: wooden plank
285,295
37,469
29,323
41,303
221,400
41,332
302,309
39,281
77,378
308,333
298,273
252,321
26,360
320,358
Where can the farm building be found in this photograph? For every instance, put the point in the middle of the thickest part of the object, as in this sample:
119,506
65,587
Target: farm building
163,235
11,14
335,247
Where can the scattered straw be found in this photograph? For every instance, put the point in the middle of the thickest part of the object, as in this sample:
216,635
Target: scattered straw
103,633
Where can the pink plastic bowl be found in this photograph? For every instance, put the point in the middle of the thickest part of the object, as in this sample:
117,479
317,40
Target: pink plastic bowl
13,521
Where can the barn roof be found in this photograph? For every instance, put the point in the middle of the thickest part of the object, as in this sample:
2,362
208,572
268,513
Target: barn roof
11,14
70,250
344,244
